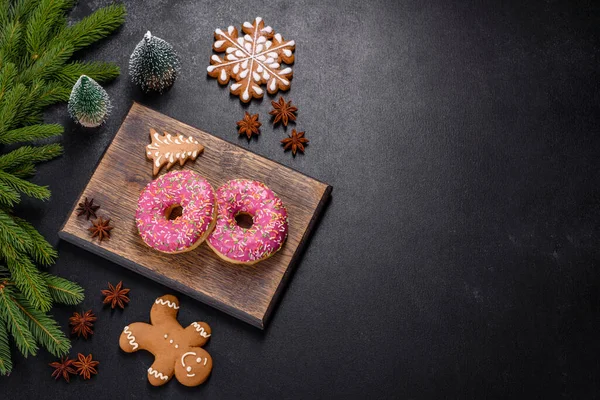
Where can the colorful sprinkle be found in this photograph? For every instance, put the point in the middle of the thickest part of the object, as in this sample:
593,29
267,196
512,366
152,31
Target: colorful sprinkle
269,217
195,196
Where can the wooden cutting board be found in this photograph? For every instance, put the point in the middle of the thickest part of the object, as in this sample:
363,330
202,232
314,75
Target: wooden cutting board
246,292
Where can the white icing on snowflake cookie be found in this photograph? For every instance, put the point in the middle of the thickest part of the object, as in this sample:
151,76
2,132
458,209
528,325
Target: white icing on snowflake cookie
252,60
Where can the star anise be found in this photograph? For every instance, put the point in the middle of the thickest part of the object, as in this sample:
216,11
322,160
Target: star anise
116,295
85,365
283,111
82,323
296,142
249,125
63,368
87,208
100,228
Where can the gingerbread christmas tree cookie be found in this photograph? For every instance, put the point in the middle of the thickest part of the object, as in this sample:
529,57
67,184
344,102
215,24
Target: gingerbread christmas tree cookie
169,149
252,59
178,351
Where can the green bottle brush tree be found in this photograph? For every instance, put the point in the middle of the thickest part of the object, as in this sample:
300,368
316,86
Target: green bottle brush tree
36,44
89,103
154,64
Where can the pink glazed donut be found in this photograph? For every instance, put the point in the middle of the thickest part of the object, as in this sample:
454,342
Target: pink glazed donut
161,197
269,227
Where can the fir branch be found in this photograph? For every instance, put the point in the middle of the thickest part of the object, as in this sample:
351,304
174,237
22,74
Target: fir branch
53,93
21,8
42,22
5,361
29,155
31,132
10,38
28,188
8,196
9,109
12,235
4,12
62,290
34,117
7,250
98,71
24,171
95,26
41,95
48,63
29,109
41,251
16,323
29,281
8,74
44,329
30,105
35,47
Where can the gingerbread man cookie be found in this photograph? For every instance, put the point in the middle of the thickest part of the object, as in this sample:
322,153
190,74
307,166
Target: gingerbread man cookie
177,350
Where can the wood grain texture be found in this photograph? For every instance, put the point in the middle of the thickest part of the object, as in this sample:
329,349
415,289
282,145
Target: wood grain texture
246,292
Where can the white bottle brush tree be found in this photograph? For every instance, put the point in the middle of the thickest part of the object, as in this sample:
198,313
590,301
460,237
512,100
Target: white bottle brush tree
89,103
154,64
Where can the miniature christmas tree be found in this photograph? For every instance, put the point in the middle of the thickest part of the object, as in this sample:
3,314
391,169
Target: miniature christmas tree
154,64
89,103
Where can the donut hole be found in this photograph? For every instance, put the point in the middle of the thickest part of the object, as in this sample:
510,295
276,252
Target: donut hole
173,212
244,220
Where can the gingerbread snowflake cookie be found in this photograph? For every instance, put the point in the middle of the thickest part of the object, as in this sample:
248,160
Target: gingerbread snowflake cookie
252,60
177,350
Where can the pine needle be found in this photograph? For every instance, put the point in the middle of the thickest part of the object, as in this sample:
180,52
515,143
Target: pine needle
24,171
5,361
12,234
62,290
16,323
29,154
25,187
95,26
30,133
4,11
48,63
21,8
10,37
29,281
8,74
41,24
8,195
41,251
4,273
98,71
12,102
45,329
53,93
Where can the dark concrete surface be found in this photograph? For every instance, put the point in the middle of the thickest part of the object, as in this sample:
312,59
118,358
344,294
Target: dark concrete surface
459,255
